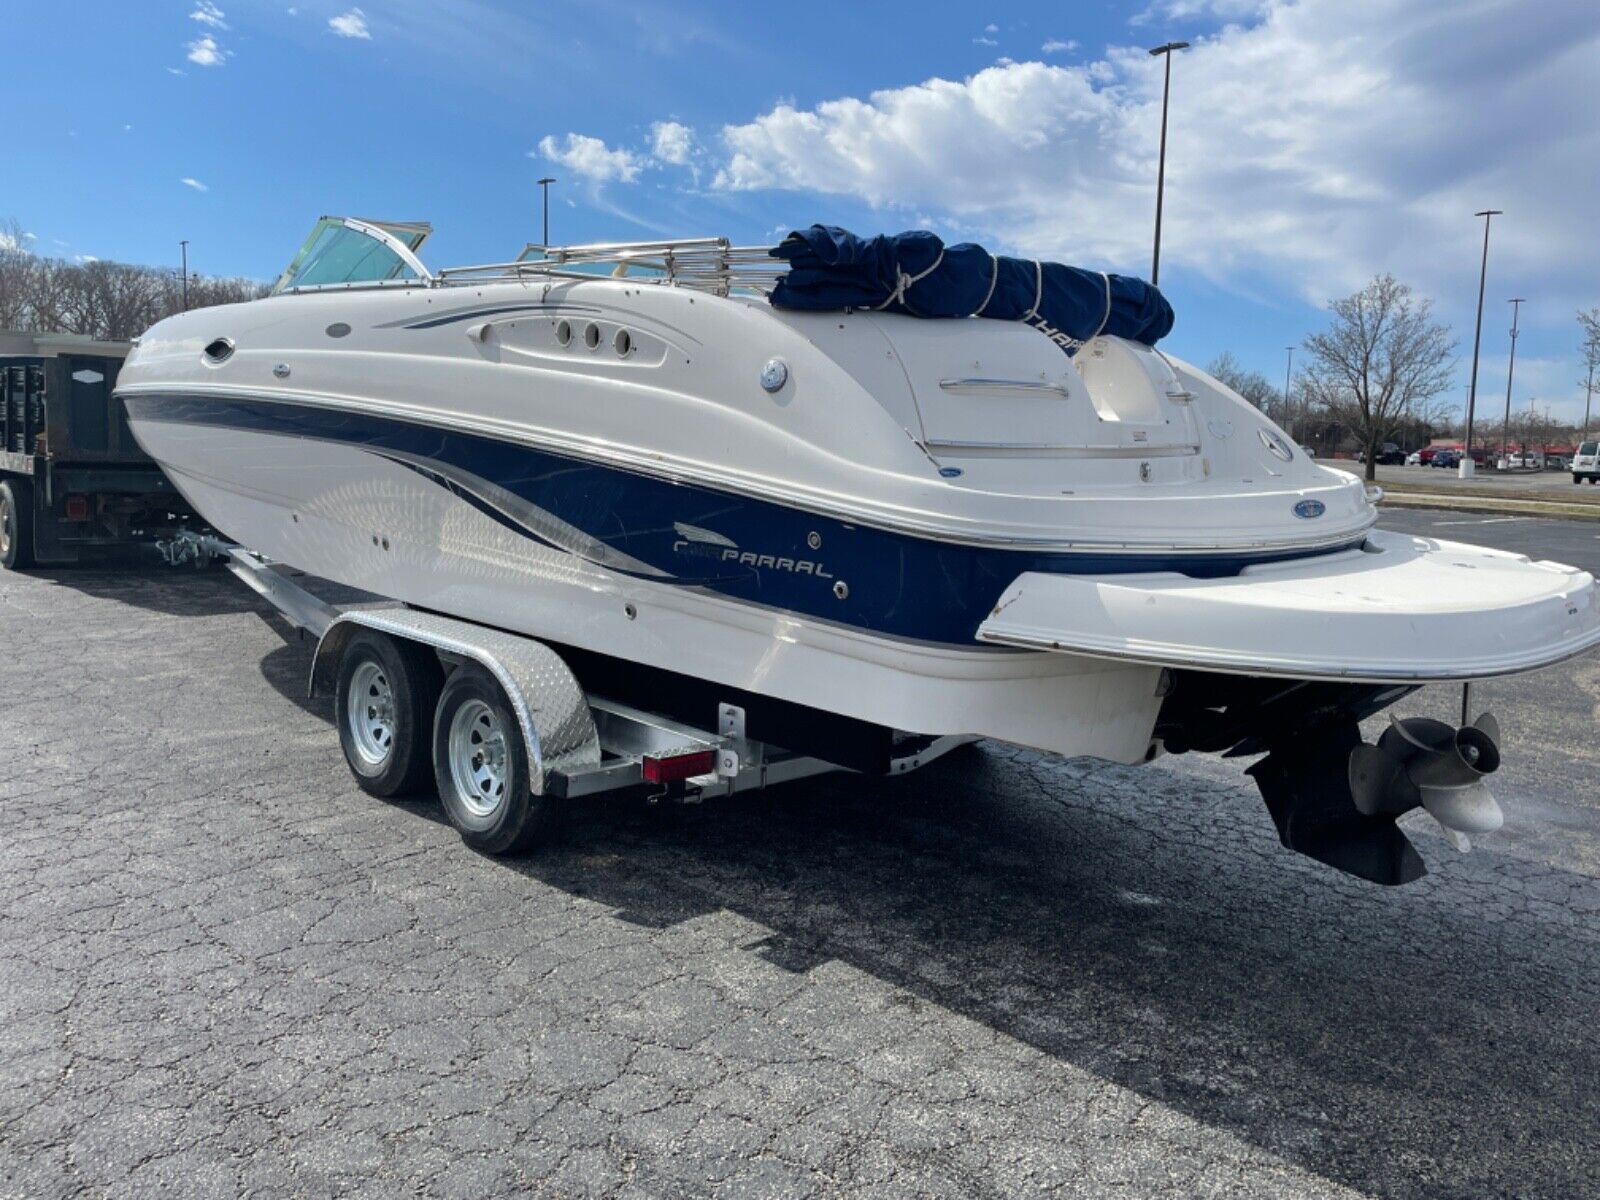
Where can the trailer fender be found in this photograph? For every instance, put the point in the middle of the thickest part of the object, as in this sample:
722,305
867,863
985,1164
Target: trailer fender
551,707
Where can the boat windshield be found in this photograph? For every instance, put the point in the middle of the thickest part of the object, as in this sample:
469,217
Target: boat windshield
344,252
564,259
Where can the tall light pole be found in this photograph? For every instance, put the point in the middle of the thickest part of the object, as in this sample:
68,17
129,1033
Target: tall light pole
1588,397
185,247
1465,470
1505,430
544,185
1288,368
1166,52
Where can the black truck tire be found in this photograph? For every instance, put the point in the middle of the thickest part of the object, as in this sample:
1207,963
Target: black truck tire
16,524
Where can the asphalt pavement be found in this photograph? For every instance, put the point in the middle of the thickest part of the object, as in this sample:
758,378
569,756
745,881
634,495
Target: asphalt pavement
1526,484
224,970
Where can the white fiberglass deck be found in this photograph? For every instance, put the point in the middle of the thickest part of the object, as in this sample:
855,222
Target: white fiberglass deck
1402,609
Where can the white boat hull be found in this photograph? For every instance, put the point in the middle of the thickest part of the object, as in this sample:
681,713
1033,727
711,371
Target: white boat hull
364,521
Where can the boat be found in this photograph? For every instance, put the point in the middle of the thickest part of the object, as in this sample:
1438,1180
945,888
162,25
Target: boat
1062,538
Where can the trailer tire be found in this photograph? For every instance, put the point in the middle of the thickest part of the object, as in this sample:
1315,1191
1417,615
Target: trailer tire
16,524
481,766
384,701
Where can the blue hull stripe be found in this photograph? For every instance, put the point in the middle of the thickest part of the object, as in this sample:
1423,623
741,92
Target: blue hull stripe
748,549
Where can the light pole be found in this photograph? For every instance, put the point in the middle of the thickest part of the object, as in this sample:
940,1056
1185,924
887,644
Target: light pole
1588,397
185,247
544,185
1505,430
1465,470
1288,368
1161,170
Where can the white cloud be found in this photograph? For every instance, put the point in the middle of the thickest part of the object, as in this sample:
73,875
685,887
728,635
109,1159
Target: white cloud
1190,10
1332,140
176,71
84,259
672,142
991,27
209,14
189,182
984,41
11,244
205,52
352,24
591,158
293,12
1057,46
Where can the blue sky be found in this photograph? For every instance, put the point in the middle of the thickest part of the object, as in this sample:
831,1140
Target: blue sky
1313,142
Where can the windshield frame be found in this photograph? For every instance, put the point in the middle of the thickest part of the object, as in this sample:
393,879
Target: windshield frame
388,233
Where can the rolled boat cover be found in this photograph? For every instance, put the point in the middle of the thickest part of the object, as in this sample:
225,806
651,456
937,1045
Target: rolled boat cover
916,273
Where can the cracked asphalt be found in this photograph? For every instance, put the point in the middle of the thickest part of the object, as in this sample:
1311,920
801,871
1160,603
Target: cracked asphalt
224,970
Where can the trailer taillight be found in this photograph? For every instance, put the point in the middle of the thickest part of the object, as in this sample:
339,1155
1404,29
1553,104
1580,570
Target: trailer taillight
77,508
669,768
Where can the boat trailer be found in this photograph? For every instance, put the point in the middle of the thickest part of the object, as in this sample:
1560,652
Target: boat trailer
577,744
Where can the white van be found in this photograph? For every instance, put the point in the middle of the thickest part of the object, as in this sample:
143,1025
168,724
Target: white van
1586,463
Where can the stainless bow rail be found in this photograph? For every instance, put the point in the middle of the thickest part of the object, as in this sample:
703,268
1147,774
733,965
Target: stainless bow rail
706,264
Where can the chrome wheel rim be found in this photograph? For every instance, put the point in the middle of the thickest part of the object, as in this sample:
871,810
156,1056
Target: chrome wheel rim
478,752
369,712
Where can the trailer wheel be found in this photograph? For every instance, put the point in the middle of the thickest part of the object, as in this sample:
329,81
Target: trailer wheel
481,766
385,697
16,524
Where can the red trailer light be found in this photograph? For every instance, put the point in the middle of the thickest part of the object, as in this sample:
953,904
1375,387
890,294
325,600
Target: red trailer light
669,768
77,508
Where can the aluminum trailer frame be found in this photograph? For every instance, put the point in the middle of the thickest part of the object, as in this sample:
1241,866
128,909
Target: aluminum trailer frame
579,745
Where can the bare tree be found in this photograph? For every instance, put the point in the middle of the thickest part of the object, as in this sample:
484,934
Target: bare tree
16,270
1252,385
1589,322
106,300
1380,363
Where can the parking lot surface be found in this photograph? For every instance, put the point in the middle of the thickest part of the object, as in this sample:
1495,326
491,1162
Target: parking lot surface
1545,484
225,970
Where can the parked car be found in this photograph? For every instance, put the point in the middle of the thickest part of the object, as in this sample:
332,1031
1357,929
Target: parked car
1389,454
1586,463
1446,458
1414,459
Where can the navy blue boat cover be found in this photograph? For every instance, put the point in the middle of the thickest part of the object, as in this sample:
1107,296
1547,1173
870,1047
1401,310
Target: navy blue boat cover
831,268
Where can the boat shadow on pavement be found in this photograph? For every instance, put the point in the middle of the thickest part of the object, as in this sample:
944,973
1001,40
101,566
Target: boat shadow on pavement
1144,926
1436,1040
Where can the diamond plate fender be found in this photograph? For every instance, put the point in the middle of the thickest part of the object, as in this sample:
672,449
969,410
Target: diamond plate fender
557,726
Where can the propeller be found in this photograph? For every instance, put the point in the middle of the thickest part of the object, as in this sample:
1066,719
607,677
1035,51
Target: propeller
1420,762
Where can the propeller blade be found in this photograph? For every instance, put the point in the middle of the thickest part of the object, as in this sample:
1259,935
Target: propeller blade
1374,774
1464,809
1489,726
